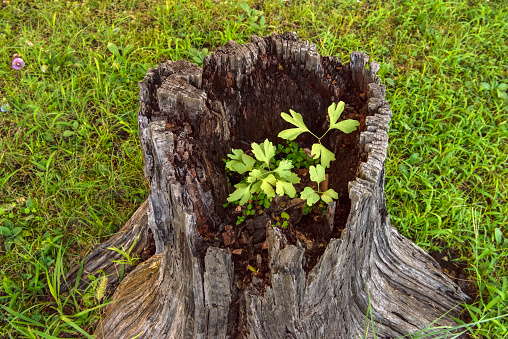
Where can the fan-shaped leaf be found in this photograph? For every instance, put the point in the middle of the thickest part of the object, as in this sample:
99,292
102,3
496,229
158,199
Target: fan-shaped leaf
284,187
317,173
284,169
329,195
264,152
241,193
310,195
334,112
294,119
346,126
320,151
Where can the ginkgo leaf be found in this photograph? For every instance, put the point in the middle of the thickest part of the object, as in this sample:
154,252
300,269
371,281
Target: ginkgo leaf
317,173
244,164
256,174
264,152
294,119
256,187
290,133
310,195
293,178
241,193
346,126
329,195
334,112
284,187
284,169
320,151
237,154
240,162
267,185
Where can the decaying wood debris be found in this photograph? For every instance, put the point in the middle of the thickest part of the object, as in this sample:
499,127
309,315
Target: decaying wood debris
190,118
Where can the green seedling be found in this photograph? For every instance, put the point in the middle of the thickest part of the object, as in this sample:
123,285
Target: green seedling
317,174
245,213
198,56
263,175
284,224
11,233
260,179
318,150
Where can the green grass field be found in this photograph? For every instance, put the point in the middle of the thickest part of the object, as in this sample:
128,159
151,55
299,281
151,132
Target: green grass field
71,166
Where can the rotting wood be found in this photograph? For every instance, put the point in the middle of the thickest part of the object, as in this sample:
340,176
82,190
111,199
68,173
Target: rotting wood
100,263
189,119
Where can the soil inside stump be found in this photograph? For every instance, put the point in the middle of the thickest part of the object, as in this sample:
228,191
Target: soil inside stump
312,231
271,92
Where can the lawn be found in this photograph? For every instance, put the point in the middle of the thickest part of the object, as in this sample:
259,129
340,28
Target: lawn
71,166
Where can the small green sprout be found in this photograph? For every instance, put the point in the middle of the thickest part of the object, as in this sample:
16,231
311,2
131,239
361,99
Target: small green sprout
260,178
317,174
318,150
263,177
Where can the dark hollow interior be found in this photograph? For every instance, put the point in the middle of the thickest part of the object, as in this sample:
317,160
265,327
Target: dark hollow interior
254,107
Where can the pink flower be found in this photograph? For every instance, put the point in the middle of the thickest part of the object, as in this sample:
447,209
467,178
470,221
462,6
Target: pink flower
18,63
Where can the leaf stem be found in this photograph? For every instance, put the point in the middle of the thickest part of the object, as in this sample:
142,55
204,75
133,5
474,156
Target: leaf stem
324,134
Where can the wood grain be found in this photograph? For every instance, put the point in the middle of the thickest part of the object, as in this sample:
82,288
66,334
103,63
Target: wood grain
189,119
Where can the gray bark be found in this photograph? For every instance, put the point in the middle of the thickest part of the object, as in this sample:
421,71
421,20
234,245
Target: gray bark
189,119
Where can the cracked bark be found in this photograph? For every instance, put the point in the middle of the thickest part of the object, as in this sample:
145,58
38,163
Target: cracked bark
189,119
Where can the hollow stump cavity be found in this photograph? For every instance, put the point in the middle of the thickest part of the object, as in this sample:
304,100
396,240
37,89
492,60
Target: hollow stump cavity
190,119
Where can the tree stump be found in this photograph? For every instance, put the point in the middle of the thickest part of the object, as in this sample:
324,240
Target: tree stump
365,273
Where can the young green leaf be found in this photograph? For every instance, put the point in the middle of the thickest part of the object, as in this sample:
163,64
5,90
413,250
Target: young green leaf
310,195
334,112
346,126
284,215
317,173
241,193
283,187
284,169
256,187
237,154
295,119
264,152
256,174
320,151
498,235
293,178
244,163
329,195
267,185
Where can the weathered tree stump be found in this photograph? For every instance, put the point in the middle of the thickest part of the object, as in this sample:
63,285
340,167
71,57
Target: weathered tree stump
189,120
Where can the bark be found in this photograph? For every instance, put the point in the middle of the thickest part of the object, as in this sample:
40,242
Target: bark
189,120
100,261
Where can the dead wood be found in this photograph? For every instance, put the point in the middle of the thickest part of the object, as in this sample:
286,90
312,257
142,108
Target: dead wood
189,120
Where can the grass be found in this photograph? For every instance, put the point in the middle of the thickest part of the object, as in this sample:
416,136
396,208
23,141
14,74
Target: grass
70,162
